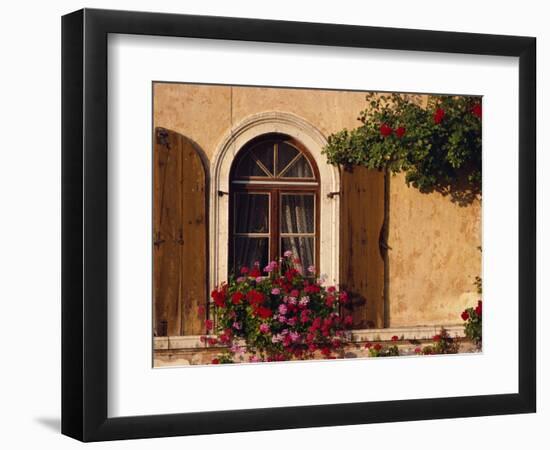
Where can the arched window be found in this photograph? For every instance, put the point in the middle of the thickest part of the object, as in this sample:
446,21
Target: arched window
274,203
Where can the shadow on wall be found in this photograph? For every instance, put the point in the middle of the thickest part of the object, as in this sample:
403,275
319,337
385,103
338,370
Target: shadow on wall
462,192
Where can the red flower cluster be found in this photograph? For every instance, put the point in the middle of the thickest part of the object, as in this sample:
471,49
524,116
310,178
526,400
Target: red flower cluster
218,295
476,110
439,115
478,309
386,130
281,315
400,132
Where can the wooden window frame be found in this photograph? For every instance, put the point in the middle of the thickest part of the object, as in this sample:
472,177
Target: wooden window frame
275,188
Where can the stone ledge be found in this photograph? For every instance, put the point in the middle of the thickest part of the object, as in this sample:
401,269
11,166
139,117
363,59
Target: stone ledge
373,335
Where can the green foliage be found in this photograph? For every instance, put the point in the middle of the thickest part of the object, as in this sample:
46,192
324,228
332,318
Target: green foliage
443,344
437,146
473,323
380,351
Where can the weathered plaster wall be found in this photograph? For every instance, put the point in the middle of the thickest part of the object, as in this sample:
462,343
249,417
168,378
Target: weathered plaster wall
434,254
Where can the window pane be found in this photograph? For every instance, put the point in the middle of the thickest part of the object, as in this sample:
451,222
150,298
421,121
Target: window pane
251,213
264,153
299,169
301,247
297,213
249,250
248,167
285,154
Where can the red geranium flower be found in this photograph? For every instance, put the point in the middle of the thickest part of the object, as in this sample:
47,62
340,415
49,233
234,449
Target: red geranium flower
290,274
437,338
263,312
312,289
476,110
385,130
244,270
215,361
368,345
208,324
400,132
465,315
226,336
395,338
255,297
438,115
219,298
378,347
255,273
237,298
304,316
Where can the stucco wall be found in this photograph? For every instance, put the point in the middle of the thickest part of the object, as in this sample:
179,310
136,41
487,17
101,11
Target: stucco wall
434,255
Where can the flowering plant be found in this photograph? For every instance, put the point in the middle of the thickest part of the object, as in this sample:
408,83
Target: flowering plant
379,351
442,344
473,323
435,145
278,314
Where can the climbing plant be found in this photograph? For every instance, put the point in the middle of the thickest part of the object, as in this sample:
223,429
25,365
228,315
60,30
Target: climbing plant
437,144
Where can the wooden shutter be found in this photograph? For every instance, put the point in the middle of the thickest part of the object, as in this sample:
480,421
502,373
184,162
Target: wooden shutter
179,236
362,233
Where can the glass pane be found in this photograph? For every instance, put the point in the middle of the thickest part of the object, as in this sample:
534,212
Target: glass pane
251,213
249,250
301,247
299,169
297,213
264,153
285,154
249,168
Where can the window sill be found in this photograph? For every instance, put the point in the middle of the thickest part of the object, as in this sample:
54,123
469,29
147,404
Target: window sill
182,343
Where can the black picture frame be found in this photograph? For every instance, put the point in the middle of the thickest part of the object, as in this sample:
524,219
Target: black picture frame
84,224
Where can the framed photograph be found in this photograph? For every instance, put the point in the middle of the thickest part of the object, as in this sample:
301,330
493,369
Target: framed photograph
273,225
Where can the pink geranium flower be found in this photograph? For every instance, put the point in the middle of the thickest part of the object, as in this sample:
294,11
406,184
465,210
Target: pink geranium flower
264,328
